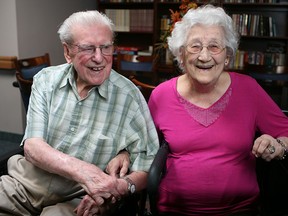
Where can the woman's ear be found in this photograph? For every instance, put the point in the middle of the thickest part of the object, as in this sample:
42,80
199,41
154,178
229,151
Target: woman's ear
227,61
67,53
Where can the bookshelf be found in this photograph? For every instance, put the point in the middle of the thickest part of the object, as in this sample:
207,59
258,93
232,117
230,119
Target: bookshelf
134,22
262,24
264,33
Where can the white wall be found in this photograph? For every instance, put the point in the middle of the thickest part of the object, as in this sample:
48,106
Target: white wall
38,22
8,28
11,117
29,28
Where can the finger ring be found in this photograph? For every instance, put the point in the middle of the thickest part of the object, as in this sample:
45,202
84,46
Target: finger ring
271,149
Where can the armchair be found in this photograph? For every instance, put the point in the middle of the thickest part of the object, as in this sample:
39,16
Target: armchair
25,70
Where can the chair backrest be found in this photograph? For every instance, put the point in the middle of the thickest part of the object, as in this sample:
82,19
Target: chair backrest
26,69
275,84
140,66
270,77
25,89
145,88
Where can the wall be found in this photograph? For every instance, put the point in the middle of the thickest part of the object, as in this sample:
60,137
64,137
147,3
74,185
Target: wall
29,28
38,22
8,28
11,116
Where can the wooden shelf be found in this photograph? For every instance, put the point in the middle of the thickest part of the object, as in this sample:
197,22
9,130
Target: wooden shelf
278,11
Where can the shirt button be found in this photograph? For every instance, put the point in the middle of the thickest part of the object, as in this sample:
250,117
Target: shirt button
72,129
80,103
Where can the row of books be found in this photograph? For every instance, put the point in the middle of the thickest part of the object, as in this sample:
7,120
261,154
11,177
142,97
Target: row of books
246,24
251,1
198,1
132,20
195,1
254,25
257,58
126,1
142,20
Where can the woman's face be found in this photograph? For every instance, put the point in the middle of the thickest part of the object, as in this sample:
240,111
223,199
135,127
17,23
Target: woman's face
92,65
204,55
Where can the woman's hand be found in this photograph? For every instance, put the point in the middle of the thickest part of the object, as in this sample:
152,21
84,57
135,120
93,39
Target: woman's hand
88,207
267,148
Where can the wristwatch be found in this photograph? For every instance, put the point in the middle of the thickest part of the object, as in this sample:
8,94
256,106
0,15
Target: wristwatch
131,185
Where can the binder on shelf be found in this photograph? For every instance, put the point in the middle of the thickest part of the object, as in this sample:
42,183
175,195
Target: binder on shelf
131,20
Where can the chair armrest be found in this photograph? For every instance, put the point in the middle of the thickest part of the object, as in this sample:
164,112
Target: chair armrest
156,171
4,158
15,84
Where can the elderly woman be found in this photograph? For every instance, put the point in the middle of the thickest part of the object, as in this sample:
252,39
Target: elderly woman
209,117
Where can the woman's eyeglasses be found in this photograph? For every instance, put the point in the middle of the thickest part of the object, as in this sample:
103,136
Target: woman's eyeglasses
213,49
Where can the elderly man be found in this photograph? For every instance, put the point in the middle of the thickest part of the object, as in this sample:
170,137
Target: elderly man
81,115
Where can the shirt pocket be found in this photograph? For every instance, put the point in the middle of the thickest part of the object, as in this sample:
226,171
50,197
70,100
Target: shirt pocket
101,149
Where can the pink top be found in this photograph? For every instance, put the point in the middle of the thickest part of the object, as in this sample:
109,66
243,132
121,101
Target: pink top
211,170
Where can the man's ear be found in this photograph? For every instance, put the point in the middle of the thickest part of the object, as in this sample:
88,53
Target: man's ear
67,53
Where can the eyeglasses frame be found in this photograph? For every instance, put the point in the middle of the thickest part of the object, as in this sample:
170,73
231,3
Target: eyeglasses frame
81,48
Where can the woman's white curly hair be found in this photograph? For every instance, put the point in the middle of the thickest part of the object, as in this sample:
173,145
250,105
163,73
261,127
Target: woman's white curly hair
205,15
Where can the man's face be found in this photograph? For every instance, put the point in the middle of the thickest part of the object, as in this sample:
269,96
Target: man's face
91,54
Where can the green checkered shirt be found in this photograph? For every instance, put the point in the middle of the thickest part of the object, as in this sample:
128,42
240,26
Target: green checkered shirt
114,116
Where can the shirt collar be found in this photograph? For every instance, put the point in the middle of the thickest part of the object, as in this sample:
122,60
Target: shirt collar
69,77
103,88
